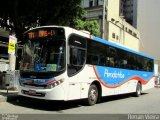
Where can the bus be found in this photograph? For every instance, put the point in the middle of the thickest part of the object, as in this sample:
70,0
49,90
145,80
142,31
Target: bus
61,63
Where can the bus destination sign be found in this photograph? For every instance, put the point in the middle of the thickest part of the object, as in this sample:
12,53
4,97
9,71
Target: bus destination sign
42,33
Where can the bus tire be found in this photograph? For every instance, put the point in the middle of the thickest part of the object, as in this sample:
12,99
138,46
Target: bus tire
138,90
92,95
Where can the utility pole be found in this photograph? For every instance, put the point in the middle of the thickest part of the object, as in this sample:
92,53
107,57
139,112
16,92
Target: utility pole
103,20
11,52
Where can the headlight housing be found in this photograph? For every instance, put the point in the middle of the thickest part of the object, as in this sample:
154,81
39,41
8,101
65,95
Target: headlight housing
54,84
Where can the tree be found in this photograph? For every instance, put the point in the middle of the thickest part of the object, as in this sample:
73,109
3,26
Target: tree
20,15
92,26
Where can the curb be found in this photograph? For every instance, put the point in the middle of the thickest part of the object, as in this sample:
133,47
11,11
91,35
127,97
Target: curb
3,98
9,92
4,95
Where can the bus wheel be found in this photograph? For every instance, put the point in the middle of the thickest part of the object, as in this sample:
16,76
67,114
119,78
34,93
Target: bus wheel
138,90
92,95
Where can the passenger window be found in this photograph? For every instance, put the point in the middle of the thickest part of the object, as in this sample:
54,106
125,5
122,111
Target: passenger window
111,60
77,54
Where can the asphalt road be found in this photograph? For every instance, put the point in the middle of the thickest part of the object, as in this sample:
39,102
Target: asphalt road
122,106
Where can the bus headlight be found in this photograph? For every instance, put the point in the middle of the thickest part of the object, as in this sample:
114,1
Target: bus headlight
54,84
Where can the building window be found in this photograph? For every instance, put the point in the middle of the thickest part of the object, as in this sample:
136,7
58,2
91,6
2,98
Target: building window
126,29
117,37
90,3
134,34
130,31
113,35
96,2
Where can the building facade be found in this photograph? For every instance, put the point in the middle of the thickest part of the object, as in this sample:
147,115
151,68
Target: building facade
94,10
128,9
113,24
4,45
4,57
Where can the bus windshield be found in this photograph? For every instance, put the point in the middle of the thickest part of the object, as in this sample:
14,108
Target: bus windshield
43,55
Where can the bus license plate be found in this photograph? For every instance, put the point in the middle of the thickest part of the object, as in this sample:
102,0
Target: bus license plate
33,92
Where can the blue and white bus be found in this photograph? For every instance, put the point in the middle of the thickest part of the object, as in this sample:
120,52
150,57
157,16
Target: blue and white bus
61,63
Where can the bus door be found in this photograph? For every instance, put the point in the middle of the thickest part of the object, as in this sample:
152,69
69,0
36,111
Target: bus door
77,59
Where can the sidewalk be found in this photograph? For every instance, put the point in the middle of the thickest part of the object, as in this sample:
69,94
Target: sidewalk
3,98
4,94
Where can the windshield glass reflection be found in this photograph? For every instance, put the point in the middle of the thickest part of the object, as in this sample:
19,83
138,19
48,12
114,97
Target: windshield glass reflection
43,55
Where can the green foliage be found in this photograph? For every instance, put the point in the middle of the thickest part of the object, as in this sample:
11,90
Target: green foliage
91,26
24,14
79,24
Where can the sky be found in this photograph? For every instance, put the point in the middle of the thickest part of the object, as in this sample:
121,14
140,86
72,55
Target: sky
148,25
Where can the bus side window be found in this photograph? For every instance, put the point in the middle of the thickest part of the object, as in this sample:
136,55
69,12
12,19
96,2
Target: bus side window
102,61
77,60
77,54
111,57
95,60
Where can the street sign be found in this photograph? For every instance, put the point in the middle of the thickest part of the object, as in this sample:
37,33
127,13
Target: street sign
12,44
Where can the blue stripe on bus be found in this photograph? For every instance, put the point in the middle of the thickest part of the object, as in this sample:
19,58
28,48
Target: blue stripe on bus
120,47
